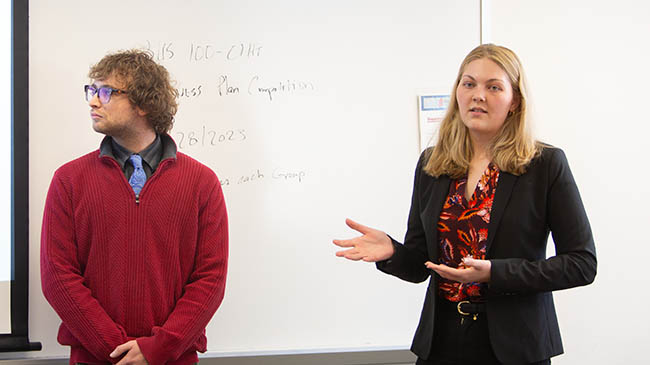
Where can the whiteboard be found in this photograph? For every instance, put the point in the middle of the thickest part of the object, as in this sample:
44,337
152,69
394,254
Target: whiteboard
307,112
587,65
5,178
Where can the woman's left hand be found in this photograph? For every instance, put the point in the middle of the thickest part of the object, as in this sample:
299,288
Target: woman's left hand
474,271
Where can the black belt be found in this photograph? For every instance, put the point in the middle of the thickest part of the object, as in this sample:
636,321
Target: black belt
467,308
464,308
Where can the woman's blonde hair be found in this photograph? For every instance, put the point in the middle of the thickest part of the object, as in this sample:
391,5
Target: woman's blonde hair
513,147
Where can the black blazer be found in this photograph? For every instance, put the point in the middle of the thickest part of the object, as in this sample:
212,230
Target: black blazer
521,316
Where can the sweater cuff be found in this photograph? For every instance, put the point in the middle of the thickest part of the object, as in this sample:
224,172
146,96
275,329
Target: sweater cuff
152,350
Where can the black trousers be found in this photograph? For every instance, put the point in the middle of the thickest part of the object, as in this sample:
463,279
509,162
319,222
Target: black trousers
461,340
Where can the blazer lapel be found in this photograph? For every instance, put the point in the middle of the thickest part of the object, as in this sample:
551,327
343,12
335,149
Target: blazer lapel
440,190
501,198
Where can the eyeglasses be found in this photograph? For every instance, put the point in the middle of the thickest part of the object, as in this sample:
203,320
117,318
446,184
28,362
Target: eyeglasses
104,93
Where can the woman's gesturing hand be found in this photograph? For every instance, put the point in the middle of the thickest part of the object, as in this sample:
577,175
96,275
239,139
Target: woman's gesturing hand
372,246
472,271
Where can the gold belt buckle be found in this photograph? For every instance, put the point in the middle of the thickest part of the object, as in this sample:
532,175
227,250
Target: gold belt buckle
458,307
462,319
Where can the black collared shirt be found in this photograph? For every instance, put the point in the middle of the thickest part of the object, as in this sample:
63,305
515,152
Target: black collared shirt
151,157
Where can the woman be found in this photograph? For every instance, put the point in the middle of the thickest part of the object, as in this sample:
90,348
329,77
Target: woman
484,200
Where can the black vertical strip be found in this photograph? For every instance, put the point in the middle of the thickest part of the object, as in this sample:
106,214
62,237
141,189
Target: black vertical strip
20,172
19,339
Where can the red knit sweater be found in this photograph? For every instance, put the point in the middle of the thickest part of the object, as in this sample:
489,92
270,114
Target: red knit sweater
116,270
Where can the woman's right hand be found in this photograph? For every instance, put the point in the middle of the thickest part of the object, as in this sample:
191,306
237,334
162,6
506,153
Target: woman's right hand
372,246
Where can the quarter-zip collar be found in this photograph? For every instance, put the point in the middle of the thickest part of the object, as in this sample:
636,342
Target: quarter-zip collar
107,153
168,148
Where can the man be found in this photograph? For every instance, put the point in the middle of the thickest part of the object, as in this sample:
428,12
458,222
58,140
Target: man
134,243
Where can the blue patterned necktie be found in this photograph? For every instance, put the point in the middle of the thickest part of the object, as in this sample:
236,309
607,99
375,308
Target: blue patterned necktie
138,177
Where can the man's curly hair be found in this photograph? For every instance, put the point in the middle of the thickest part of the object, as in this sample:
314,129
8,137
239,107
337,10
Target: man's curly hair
148,85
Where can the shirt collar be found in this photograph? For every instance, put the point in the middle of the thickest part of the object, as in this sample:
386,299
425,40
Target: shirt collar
167,149
150,155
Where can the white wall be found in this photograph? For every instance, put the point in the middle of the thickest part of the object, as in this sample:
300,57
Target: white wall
587,62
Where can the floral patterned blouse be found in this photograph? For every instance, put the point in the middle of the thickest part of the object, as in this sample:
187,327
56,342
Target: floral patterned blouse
463,230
